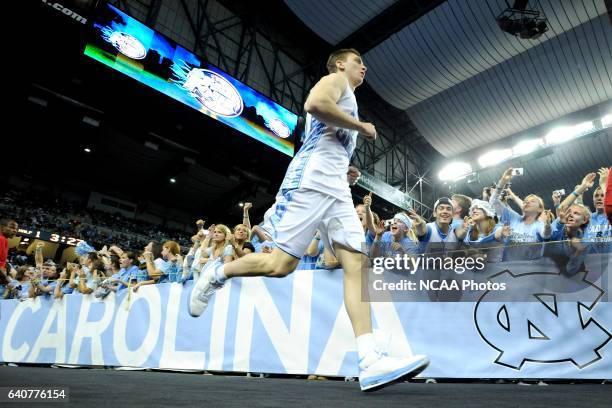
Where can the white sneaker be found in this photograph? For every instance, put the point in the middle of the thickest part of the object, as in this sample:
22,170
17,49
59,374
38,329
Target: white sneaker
385,370
204,288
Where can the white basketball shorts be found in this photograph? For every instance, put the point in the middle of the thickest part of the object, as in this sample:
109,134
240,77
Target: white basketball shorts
300,212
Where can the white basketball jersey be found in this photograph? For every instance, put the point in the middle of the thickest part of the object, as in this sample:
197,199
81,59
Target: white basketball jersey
322,162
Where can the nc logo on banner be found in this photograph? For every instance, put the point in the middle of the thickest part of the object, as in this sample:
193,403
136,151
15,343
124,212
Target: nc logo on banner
540,319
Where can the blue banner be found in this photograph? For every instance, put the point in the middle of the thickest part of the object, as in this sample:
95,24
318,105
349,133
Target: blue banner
298,325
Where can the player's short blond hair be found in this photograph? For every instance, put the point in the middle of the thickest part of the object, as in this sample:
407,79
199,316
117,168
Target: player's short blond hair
339,55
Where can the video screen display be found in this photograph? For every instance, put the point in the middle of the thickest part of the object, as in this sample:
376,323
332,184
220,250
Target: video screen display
128,46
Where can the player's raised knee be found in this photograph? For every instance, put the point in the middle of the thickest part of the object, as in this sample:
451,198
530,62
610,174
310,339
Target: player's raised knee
281,269
281,264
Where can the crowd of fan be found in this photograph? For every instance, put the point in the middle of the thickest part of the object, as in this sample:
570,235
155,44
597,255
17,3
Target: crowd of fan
44,211
490,226
114,266
108,266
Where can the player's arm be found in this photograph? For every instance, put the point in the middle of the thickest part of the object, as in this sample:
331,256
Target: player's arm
322,104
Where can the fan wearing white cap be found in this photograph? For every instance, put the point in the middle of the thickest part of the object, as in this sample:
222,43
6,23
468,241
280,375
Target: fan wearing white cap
401,238
441,230
484,228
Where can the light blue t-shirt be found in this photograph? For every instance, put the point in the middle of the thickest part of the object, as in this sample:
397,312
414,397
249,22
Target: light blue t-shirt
66,289
256,243
494,252
410,247
90,283
521,232
457,222
557,230
227,251
173,272
51,285
482,239
131,273
24,292
559,233
598,229
369,238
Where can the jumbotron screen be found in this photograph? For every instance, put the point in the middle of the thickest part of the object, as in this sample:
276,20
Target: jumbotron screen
125,44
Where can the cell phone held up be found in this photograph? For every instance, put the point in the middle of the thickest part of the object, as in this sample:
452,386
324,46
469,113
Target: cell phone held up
518,171
559,192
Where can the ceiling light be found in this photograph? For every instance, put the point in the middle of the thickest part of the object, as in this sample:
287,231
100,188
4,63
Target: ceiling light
606,121
494,157
37,101
91,121
172,180
87,150
526,147
582,128
564,133
454,171
151,145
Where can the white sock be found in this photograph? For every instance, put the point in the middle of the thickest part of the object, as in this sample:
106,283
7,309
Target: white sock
365,345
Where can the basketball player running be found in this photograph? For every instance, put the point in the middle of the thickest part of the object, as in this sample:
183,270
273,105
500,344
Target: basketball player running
315,195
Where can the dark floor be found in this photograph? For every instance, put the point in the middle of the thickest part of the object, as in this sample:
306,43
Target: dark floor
100,388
